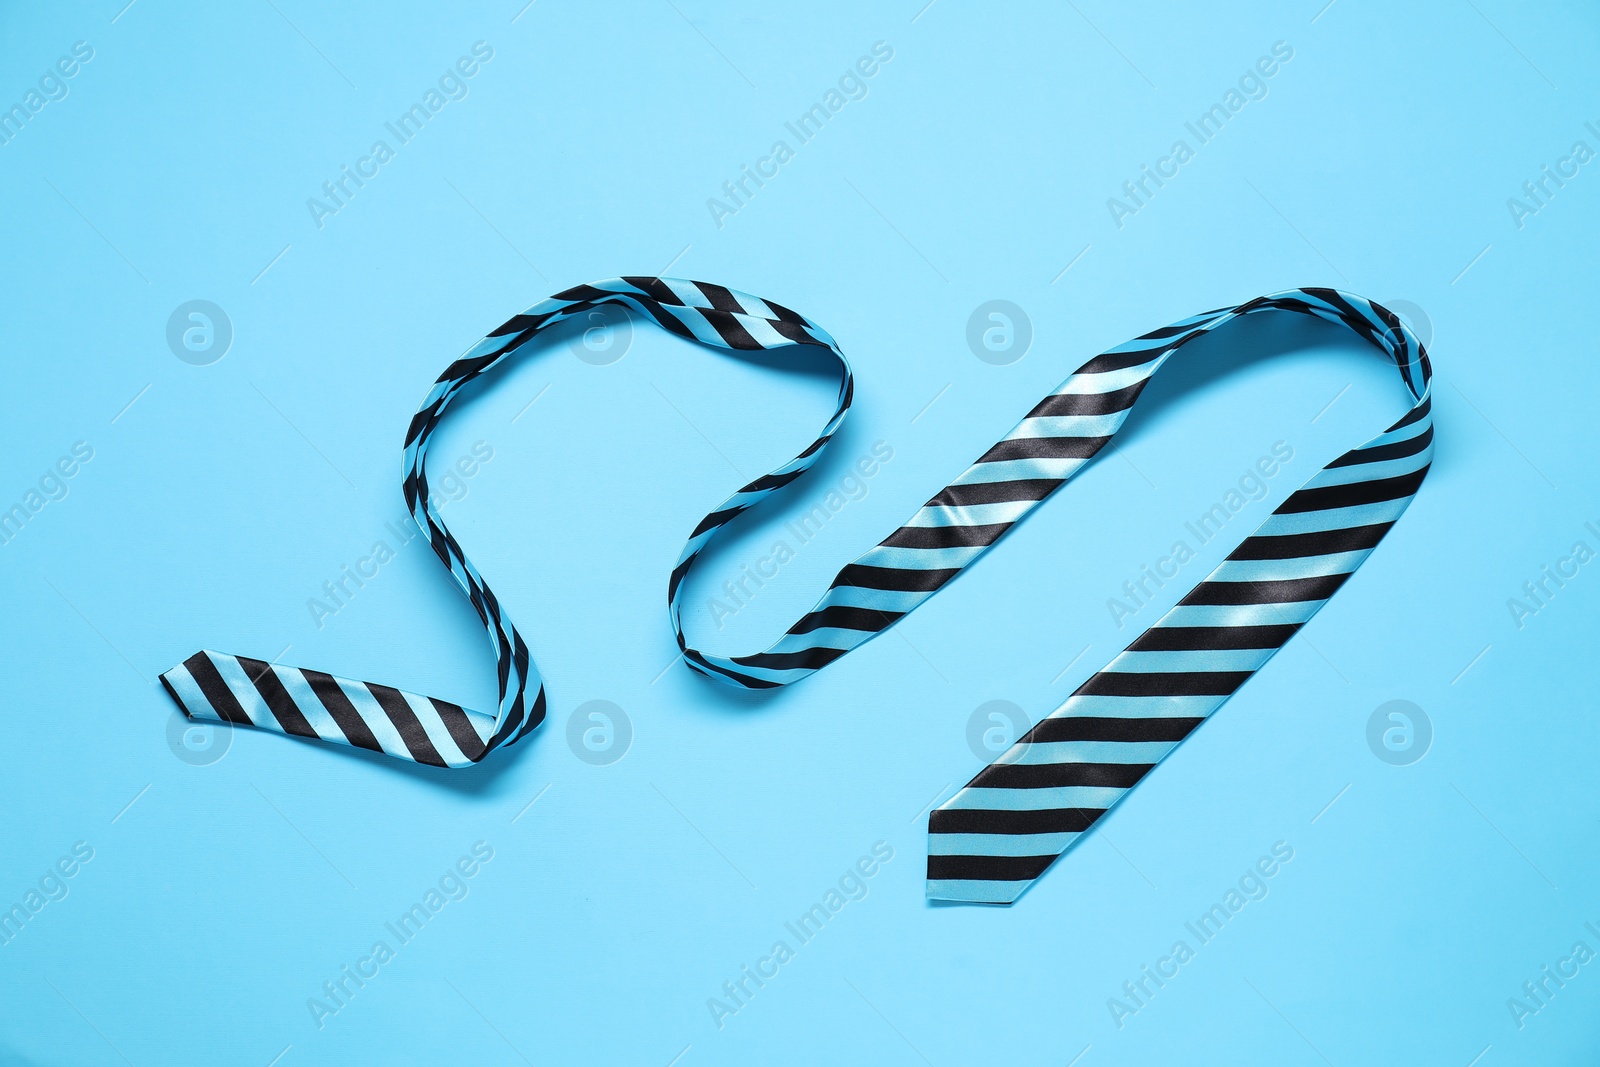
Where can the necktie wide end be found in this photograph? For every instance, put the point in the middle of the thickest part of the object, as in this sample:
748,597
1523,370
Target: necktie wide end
980,879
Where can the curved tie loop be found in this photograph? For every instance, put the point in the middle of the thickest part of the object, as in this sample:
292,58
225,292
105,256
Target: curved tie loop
989,841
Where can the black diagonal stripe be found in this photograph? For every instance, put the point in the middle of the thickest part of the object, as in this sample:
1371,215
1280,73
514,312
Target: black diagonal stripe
343,713
1352,318
455,720
1110,361
1318,543
540,706
1416,414
1193,327
731,330
270,686
719,297
811,659
794,331
502,665
946,536
520,656
658,290
1164,684
1212,638
1376,333
394,705
421,421
699,662
785,314
176,699
1285,303
1108,728
1044,448
579,293
816,445
961,496
1001,821
989,868
845,618
506,731
717,518
534,717
519,324
1395,338
667,320
1380,453
215,690
1287,591
1056,775
1109,403
905,581
679,573
1324,497
773,481
466,368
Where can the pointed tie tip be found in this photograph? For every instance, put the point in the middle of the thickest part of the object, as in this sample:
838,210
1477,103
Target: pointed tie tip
975,891
166,684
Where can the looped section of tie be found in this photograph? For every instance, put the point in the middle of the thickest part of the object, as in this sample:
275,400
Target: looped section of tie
994,837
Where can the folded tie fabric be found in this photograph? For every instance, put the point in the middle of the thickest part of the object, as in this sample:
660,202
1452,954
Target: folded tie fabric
999,833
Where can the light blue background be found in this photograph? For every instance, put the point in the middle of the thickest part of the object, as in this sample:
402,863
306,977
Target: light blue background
977,167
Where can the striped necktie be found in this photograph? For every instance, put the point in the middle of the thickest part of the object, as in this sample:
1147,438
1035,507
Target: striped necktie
989,841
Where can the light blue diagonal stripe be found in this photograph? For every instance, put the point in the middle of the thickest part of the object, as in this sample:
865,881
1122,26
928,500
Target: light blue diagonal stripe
1241,614
1277,570
1064,796
300,691
1000,844
1046,753
373,715
1217,659
190,694
249,698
